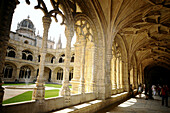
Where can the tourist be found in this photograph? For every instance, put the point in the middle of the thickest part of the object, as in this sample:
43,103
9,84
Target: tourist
131,91
140,90
164,92
159,89
154,89
146,92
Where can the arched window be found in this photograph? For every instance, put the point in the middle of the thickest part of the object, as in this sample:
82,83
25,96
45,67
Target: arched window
61,59
71,75
52,60
10,52
8,71
72,58
26,42
39,56
27,55
60,74
25,72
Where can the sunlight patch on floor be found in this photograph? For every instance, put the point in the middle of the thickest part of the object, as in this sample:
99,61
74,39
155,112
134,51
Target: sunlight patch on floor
128,103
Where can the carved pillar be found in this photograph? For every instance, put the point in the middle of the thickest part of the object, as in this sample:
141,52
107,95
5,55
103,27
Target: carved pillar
134,77
17,73
6,13
82,82
53,77
65,90
108,74
140,74
39,91
118,72
115,77
77,64
126,76
121,77
93,80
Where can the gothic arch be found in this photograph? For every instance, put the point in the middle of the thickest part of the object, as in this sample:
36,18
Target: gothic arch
84,17
9,70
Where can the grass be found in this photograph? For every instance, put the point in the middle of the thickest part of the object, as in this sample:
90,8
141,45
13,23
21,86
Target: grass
55,85
27,96
48,85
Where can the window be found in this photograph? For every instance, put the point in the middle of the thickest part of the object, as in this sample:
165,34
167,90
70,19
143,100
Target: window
27,55
26,42
60,74
71,75
61,59
10,52
25,72
8,71
39,56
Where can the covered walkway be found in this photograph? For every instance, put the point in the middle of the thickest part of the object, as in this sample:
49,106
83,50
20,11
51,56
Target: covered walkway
138,105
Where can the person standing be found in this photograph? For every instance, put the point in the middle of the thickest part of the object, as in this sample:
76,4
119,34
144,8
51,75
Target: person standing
140,90
159,90
154,89
164,92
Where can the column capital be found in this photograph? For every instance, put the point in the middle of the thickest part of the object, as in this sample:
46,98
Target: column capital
46,21
69,32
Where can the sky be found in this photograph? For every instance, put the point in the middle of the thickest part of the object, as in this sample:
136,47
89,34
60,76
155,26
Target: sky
23,10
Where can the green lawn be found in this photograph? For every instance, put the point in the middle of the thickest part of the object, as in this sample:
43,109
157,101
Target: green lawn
48,85
27,96
55,85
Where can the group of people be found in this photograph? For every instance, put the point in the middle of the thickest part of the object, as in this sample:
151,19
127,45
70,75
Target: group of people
162,92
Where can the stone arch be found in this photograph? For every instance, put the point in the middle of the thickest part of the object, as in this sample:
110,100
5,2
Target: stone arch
50,58
125,78
61,57
59,74
26,73
11,52
47,74
9,70
27,55
83,17
72,57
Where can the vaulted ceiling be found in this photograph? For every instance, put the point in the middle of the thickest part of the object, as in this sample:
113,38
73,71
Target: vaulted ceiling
143,25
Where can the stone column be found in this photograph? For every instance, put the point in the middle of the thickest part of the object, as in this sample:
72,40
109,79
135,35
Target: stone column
77,64
121,77
53,77
82,82
134,77
17,73
39,91
126,76
65,90
118,73
93,70
140,74
108,74
115,77
6,13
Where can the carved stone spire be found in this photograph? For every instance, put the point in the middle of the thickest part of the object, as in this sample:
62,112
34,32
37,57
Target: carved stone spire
59,44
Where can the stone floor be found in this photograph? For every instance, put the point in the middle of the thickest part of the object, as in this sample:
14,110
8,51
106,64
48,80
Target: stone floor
138,105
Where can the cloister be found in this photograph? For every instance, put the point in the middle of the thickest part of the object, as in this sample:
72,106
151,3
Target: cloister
118,43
